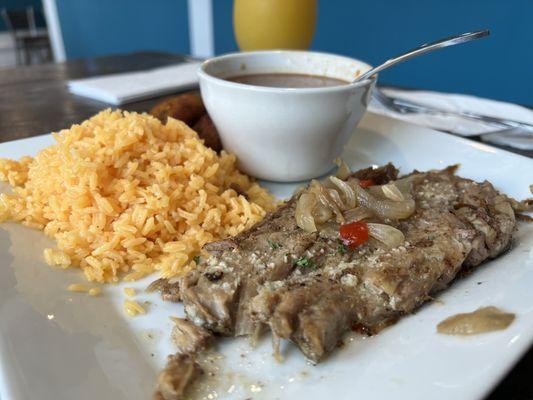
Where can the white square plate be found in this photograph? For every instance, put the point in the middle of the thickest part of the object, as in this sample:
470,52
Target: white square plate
59,345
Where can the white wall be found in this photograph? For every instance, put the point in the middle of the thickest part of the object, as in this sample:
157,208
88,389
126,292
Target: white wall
7,51
201,36
54,30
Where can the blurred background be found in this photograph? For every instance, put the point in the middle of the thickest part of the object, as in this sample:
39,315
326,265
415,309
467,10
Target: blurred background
500,67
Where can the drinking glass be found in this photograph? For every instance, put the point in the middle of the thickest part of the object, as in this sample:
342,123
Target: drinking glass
274,24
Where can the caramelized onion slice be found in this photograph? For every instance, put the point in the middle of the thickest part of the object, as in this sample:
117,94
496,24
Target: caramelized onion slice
385,209
391,192
375,190
397,190
357,214
336,197
304,212
405,185
344,171
386,234
324,198
329,230
346,190
322,214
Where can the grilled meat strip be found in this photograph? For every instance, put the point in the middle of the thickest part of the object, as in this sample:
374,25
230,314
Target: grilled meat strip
190,338
256,279
181,370
169,289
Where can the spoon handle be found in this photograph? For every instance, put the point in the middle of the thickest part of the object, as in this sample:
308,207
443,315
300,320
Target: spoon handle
425,48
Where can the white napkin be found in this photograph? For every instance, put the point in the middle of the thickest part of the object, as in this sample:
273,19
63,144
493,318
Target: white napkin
132,86
458,125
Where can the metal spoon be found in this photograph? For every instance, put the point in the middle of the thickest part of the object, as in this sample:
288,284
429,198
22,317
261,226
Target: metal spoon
425,48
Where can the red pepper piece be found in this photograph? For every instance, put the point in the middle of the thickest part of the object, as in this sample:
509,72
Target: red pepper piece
354,234
364,183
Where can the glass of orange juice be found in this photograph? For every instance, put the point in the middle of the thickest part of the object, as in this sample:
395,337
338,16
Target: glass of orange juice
274,24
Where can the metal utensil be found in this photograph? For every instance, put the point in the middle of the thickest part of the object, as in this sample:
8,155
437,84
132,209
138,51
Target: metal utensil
511,137
425,48
407,107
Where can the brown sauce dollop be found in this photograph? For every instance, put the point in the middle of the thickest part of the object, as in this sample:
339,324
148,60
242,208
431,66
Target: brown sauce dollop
485,319
279,80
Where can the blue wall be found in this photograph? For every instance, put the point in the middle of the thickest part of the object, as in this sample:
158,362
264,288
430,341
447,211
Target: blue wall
499,67
223,26
101,27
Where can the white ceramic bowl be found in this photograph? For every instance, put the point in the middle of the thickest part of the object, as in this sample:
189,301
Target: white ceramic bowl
284,134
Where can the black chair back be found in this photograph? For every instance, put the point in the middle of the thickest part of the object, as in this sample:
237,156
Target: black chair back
19,20
30,44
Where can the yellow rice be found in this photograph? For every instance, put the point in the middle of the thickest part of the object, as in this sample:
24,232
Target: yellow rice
133,308
124,195
78,287
56,258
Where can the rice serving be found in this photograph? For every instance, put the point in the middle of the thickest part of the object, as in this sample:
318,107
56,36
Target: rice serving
124,195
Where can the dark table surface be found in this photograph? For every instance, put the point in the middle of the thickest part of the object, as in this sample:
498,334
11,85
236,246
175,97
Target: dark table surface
34,100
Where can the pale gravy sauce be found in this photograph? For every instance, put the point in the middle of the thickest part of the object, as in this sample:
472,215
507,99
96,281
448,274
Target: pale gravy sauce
485,319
